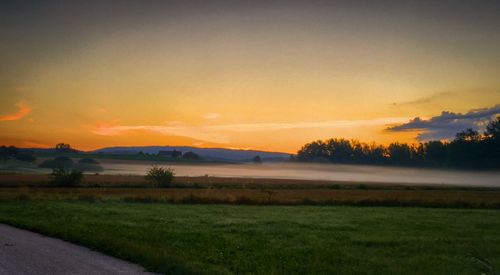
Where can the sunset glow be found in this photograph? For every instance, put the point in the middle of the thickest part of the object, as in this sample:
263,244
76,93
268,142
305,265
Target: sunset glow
271,75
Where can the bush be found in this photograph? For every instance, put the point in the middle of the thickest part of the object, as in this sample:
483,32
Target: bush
257,160
88,161
65,177
8,152
59,162
12,152
25,157
88,165
160,177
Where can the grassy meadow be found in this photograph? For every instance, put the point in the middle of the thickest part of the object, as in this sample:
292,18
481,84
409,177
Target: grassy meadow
248,191
229,239
206,225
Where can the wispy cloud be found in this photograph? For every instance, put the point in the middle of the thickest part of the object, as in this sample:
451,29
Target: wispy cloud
447,124
23,110
220,133
427,100
444,98
253,127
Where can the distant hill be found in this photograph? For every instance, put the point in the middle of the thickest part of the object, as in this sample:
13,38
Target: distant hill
206,153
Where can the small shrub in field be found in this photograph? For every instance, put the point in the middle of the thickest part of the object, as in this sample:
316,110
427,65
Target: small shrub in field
65,177
160,177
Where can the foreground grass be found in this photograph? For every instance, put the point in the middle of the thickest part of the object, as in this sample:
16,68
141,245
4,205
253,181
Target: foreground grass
220,239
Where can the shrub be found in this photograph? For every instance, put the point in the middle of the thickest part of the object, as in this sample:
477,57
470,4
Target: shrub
88,165
65,177
25,157
8,152
88,161
160,177
59,162
257,160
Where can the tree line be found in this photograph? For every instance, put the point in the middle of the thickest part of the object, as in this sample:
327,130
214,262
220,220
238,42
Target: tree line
11,152
469,149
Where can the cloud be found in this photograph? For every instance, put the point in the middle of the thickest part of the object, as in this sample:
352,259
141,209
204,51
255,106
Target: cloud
211,116
428,99
23,110
253,127
444,98
220,133
447,124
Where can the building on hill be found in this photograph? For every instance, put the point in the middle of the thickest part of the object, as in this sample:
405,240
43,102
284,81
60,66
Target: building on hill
170,154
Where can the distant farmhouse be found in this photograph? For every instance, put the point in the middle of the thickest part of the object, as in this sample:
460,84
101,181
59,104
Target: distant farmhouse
170,154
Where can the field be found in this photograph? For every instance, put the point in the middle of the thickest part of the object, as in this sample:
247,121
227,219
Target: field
225,239
211,190
206,225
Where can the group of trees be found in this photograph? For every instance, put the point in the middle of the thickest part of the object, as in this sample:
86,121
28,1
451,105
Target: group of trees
64,148
12,152
469,149
27,155
63,162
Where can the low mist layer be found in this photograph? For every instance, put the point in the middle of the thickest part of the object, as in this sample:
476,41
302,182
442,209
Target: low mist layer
330,172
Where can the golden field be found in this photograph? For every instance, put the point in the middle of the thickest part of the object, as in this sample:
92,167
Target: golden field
247,191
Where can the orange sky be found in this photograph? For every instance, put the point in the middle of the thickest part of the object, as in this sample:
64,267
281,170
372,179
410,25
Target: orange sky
238,76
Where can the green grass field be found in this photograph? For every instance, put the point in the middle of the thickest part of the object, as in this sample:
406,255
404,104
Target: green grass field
224,239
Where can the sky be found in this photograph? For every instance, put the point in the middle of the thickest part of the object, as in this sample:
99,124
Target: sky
266,75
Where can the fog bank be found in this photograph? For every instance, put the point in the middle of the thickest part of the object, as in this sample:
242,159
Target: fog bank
327,172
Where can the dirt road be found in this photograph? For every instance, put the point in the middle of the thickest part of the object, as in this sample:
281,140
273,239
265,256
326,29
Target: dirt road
24,252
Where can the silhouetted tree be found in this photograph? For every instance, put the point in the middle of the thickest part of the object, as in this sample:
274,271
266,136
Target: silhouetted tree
377,154
468,149
493,129
399,153
59,162
313,151
12,152
435,152
339,150
491,143
468,135
63,148
257,159
26,157
4,153
88,165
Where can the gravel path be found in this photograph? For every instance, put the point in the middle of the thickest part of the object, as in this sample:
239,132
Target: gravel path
25,252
